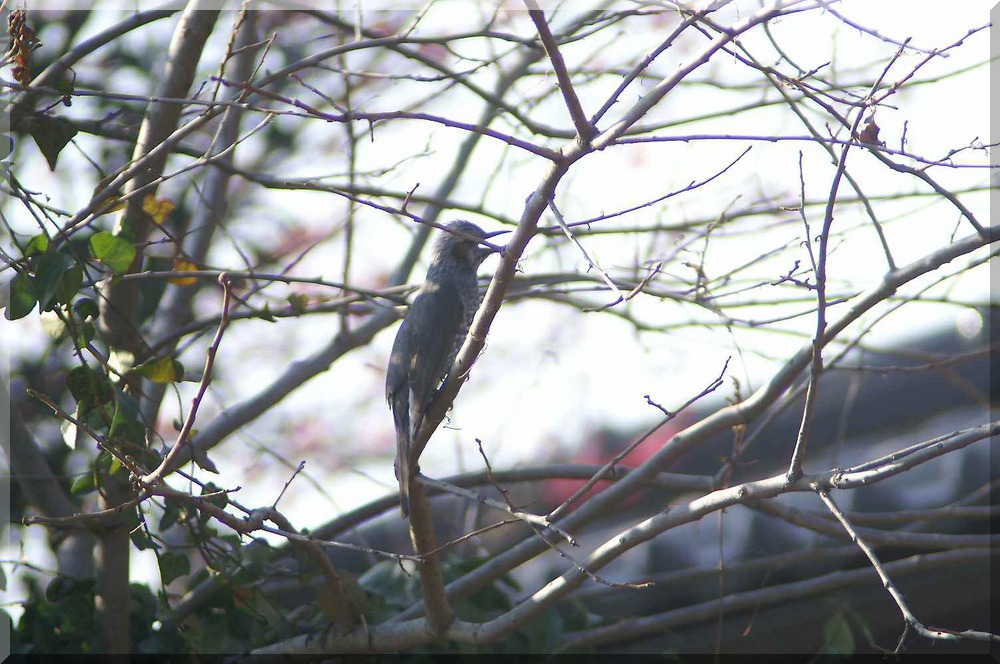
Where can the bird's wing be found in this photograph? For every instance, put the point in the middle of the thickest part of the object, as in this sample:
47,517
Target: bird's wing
439,312
417,363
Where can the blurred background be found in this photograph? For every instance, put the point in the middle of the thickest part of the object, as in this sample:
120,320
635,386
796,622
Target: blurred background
705,216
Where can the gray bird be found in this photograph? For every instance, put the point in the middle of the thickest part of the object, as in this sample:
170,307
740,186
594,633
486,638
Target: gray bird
430,337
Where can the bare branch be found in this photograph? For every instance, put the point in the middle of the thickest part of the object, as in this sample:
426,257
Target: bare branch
584,129
170,460
911,620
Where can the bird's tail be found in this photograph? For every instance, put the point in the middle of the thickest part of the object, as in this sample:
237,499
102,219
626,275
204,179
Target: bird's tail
401,419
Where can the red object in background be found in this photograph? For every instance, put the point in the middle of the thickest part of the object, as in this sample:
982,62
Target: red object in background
600,448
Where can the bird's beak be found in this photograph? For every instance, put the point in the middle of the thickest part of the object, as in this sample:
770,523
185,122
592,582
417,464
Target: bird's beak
489,247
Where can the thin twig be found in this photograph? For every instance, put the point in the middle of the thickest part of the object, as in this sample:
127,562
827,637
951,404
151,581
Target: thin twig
593,263
897,597
84,519
298,469
555,514
816,364
346,612
526,517
206,379
104,442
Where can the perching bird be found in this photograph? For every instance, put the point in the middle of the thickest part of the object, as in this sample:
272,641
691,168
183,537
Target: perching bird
430,337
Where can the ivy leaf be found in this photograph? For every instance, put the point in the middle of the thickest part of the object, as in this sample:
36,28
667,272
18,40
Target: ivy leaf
113,250
63,587
50,270
39,244
391,583
171,512
86,333
69,284
161,370
53,325
125,423
120,360
220,499
84,484
111,204
184,265
173,565
52,134
837,637
157,208
6,148
70,433
87,387
142,541
22,298
86,308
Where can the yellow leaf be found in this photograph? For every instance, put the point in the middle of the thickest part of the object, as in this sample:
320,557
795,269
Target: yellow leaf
184,265
112,204
157,208
161,370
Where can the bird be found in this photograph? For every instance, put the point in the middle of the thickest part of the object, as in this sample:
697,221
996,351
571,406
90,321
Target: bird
430,337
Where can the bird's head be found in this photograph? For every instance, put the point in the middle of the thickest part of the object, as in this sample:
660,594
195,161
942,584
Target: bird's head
463,242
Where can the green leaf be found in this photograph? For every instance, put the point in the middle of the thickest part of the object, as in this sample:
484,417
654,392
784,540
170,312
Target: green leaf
53,325
69,284
83,484
220,499
22,298
171,512
88,387
141,540
64,85
120,360
39,244
113,250
69,431
6,149
86,308
81,383
86,334
543,633
256,554
859,623
173,565
126,424
161,370
50,270
837,637
52,134
386,580
61,587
